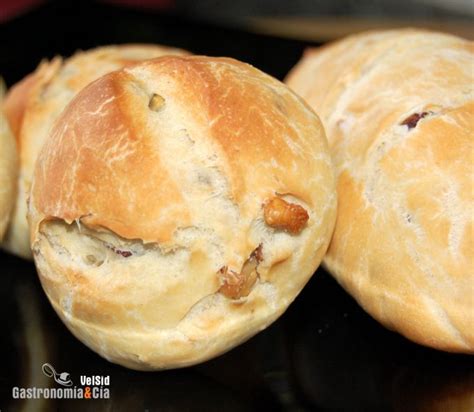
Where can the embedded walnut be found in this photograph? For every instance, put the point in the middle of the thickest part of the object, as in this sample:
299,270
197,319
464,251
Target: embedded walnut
124,253
236,285
412,120
280,214
157,102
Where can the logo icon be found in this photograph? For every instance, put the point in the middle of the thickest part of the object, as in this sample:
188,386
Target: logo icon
63,378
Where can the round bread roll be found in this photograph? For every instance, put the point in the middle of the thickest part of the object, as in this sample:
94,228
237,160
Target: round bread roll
8,164
178,207
33,105
398,110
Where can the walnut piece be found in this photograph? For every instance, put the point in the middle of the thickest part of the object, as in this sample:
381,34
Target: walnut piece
280,214
157,102
124,253
236,285
412,120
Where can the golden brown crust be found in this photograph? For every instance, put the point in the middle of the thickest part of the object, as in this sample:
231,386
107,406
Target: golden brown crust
8,166
398,110
14,105
35,103
180,190
242,149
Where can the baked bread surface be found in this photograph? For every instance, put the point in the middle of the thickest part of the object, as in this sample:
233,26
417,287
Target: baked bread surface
33,105
8,169
178,207
398,111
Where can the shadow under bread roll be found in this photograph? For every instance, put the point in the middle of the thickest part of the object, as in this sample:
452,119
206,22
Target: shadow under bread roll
8,166
398,110
32,105
178,207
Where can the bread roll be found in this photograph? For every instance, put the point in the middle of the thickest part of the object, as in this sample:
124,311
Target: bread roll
178,207
8,165
398,111
33,105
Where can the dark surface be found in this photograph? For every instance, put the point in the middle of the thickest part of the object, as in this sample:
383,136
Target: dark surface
61,28
324,354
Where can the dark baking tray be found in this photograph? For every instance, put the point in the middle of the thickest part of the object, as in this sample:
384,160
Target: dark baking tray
324,354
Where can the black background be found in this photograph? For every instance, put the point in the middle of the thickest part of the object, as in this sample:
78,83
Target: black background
324,354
